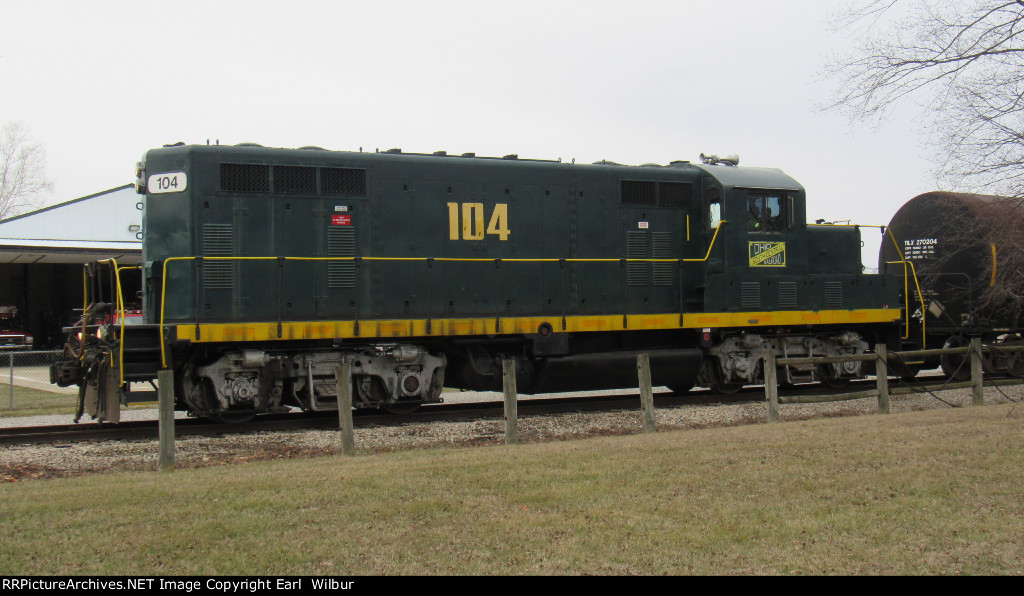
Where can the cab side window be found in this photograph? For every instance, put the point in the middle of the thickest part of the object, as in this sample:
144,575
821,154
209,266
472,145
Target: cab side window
714,215
766,212
714,201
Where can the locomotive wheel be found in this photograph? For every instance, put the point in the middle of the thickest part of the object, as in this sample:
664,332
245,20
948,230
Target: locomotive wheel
727,388
234,416
401,407
377,393
827,381
680,389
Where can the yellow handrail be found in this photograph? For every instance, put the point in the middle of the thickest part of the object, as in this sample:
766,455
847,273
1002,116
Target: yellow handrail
906,288
118,312
710,246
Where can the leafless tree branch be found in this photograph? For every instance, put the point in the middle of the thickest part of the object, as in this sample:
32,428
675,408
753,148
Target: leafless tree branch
23,182
962,62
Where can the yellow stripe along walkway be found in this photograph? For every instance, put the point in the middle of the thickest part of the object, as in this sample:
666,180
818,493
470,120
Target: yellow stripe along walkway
409,328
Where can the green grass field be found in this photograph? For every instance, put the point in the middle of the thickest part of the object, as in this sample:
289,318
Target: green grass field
934,492
34,402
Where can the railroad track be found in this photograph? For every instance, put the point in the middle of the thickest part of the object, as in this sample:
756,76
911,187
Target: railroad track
149,429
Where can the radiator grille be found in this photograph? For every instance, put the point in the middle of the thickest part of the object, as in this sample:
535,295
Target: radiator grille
638,247
635,192
750,294
244,177
294,179
664,273
341,242
834,294
674,194
218,241
787,294
342,181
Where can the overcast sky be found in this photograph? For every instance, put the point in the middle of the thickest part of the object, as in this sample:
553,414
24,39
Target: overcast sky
98,83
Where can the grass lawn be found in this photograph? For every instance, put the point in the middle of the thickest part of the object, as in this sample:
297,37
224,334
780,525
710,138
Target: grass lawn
934,492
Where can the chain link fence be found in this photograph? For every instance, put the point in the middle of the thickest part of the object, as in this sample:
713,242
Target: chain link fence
25,383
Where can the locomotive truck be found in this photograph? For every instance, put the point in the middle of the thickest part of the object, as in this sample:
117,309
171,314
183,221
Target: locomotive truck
263,269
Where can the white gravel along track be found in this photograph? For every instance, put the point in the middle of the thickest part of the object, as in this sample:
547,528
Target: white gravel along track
73,459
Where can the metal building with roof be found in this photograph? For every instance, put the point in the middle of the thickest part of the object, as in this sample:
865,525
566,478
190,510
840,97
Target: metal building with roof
42,254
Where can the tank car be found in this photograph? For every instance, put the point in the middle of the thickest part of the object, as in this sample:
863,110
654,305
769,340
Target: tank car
265,268
958,252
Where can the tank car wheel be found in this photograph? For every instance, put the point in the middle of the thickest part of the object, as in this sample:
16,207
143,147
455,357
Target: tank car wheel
906,372
1017,367
955,366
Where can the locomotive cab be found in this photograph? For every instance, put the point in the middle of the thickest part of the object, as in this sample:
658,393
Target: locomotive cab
778,281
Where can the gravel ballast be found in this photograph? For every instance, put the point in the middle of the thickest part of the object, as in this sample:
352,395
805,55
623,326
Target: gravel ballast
74,459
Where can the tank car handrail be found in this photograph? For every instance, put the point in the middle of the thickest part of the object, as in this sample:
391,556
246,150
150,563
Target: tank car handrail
906,287
167,262
913,272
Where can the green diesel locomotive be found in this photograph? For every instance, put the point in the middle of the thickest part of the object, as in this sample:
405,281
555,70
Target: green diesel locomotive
265,268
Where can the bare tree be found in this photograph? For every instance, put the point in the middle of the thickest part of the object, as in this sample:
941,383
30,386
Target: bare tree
963,61
23,182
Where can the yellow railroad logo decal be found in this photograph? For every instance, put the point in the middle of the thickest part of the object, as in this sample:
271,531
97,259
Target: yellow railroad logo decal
767,254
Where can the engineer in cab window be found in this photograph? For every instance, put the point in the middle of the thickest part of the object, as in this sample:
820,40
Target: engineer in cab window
755,209
774,222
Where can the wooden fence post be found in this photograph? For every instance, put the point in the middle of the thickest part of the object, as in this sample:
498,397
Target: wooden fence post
343,380
882,377
977,377
165,396
771,385
508,382
643,367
